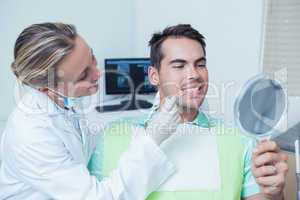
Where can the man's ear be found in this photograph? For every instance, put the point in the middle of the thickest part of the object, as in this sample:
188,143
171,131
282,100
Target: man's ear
153,75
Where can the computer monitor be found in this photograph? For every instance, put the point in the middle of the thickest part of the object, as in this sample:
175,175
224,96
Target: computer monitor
127,75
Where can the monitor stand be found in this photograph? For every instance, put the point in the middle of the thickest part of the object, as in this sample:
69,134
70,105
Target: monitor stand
136,104
132,104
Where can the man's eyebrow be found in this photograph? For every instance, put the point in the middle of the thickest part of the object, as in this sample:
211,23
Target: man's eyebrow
201,59
177,61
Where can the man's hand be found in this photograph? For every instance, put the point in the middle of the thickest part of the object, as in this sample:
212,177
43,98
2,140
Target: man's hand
165,121
269,167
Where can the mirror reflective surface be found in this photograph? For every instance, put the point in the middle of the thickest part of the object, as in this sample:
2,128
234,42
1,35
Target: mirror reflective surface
261,108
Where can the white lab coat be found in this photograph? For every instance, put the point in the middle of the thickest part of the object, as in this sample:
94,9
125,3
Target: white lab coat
44,158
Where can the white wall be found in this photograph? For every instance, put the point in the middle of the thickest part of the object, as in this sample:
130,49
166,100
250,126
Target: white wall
122,28
232,29
106,25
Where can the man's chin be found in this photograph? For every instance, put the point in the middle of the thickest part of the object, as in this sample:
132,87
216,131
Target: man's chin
191,106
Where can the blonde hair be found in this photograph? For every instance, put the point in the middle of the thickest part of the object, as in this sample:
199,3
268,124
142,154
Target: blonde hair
39,49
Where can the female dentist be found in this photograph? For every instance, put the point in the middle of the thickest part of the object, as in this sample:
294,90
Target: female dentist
45,150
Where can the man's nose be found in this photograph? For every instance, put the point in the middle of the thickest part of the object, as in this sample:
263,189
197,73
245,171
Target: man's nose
192,72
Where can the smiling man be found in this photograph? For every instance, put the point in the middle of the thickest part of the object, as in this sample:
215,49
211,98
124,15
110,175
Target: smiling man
212,161
178,60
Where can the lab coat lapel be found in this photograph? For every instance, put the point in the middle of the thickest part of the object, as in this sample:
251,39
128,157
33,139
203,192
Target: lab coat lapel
70,137
91,137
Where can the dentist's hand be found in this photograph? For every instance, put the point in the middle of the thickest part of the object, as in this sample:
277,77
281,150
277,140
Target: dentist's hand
270,168
165,121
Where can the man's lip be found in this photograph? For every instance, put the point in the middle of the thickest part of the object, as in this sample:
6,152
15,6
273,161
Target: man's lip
199,86
192,84
195,92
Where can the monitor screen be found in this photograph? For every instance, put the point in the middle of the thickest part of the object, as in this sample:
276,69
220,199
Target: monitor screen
124,75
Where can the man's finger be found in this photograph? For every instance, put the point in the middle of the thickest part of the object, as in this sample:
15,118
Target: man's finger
271,191
266,158
169,103
282,167
266,146
267,170
271,181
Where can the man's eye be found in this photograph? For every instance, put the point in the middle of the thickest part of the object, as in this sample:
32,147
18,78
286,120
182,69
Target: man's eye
201,64
178,66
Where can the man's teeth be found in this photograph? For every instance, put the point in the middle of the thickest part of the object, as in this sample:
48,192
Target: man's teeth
191,88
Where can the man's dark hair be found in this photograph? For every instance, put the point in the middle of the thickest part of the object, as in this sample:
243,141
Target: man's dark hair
178,31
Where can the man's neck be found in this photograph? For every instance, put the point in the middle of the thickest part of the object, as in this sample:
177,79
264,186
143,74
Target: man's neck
189,115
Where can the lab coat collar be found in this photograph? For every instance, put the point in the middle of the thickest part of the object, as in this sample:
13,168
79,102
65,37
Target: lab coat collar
32,101
35,102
